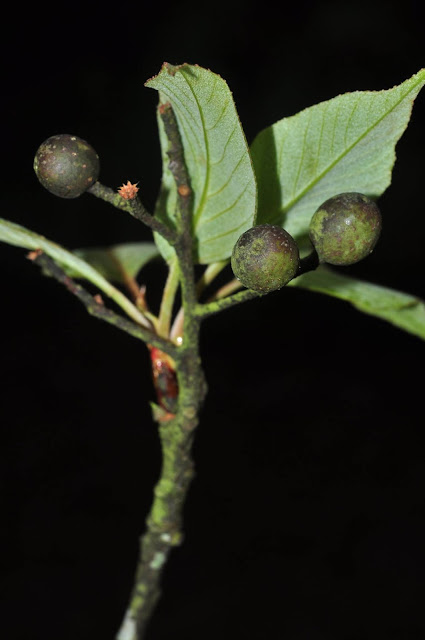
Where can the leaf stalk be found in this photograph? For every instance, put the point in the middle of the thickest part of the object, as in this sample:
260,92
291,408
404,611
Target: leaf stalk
96,307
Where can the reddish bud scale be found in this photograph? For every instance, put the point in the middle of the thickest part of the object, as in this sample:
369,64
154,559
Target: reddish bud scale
128,191
164,379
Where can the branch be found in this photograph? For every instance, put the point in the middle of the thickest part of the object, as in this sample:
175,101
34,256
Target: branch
96,307
134,207
209,308
163,525
178,167
184,244
309,263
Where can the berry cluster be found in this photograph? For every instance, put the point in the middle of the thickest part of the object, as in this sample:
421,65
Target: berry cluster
343,231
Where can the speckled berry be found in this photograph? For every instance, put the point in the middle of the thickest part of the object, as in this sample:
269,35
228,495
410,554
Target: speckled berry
345,228
66,165
265,258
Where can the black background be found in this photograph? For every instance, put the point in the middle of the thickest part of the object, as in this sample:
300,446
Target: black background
306,518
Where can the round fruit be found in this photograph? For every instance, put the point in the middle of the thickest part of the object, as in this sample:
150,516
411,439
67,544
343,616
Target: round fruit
345,228
66,165
265,258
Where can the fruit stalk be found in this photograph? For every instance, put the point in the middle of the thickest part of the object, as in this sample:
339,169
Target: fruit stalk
134,207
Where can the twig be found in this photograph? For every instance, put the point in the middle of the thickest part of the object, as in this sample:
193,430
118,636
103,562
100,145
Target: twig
163,525
135,208
309,263
97,309
209,308
221,300
177,166
184,244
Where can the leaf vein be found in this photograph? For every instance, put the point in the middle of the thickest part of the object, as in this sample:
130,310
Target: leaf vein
212,91
319,146
294,189
232,206
226,233
330,166
214,164
226,104
347,124
201,204
235,168
183,108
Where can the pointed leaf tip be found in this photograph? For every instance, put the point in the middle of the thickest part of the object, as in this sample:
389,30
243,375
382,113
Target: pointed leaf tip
401,309
344,144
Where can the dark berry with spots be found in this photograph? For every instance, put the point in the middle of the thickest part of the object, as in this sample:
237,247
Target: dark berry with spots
345,228
66,165
265,258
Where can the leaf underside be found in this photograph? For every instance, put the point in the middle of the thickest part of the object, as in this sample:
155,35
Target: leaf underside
343,144
217,159
400,309
19,236
119,262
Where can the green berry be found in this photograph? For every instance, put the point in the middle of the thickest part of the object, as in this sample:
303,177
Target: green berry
345,228
265,258
66,165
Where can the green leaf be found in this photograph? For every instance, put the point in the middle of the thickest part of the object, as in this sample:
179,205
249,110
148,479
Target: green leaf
344,144
118,262
21,237
401,309
217,159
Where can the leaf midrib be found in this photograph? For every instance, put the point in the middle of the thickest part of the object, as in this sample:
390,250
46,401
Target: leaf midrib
197,215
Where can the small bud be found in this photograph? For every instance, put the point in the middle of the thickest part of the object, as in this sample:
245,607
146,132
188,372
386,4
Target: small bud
184,190
33,255
128,191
